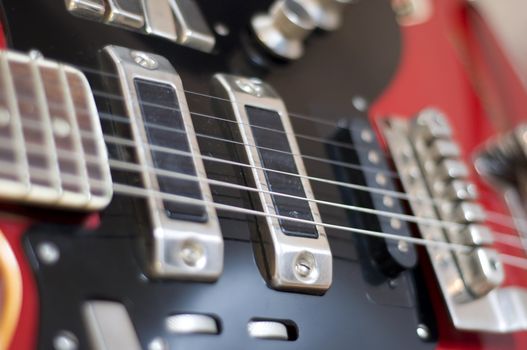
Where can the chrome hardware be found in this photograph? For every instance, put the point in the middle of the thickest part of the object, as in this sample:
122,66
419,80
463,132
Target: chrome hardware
298,254
179,21
159,20
93,9
470,281
284,28
441,149
125,13
272,330
109,326
186,239
472,234
65,340
191,324
327,14
462,190
193,31
54,152
482,270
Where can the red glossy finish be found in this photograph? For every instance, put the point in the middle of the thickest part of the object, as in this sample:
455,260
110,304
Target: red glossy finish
454,63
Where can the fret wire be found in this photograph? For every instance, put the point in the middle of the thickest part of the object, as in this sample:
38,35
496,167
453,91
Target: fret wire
498,218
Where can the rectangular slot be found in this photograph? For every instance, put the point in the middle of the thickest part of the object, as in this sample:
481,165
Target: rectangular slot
163,120
263,122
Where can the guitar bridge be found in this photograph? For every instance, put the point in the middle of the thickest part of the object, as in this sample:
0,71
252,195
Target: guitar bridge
435,178
52,150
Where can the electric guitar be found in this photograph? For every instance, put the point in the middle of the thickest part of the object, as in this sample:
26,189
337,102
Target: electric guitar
296,174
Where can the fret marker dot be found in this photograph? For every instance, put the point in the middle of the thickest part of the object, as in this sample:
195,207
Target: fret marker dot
380,179
373,157
61,127
5,117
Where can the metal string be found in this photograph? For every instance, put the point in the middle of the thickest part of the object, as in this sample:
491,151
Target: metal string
355,166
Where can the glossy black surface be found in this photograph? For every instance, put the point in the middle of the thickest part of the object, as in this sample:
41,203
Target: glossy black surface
358,59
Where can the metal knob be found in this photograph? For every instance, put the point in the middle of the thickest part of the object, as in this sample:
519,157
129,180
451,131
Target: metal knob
284,28
327,14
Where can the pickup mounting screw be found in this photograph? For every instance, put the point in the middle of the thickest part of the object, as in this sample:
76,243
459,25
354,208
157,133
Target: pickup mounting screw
48,253
250,86
144,60
193,254
305,266
65,340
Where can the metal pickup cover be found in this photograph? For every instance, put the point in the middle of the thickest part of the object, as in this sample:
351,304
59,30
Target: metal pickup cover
298,253
53,150
187,241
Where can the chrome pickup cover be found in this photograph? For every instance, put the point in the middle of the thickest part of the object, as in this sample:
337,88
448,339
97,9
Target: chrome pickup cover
297,253
52,150
186,238
470,281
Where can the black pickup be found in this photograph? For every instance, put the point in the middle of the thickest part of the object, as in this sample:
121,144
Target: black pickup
357,144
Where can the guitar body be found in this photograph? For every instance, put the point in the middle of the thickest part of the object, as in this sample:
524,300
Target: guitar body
395,70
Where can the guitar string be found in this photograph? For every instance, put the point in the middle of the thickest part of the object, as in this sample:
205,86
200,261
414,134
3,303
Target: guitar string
305,156
391,193
128,190
507,224
310,157
320,140
119,164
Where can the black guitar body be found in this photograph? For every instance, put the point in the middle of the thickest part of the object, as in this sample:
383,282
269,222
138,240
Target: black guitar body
359,59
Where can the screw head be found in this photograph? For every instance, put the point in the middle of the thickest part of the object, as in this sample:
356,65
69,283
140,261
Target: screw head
65,340
360,103
48,253
144,60
221,29
251,86
423,332
392,283
193,254
305,267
